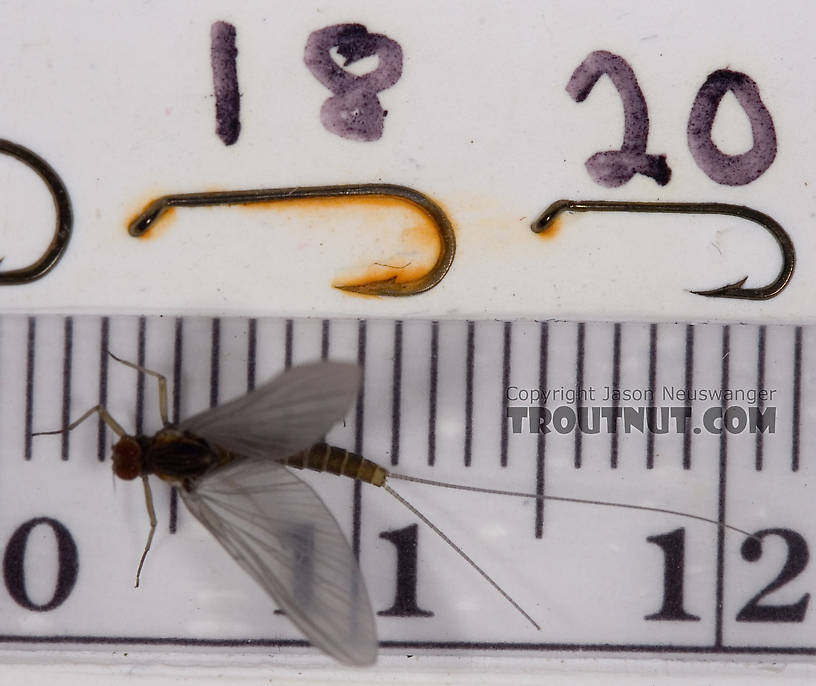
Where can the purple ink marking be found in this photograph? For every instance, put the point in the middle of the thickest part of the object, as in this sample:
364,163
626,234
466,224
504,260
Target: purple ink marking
354,112
731,170
225,80
614,168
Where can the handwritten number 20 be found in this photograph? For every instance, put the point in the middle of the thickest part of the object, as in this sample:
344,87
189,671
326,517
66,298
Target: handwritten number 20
615,167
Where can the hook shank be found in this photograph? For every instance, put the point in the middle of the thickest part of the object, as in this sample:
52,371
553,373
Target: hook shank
731,290
154,210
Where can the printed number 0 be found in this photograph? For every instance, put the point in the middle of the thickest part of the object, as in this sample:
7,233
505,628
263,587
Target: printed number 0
14,564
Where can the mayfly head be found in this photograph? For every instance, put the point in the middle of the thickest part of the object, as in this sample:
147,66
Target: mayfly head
128,462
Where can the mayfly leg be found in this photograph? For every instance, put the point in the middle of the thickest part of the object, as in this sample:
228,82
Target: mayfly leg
151,513
97,409
106,417
162,379
119,431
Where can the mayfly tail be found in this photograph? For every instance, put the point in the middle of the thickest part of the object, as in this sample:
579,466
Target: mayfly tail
564,499
462,553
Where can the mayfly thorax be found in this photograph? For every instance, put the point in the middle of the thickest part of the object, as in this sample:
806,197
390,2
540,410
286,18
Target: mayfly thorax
232,467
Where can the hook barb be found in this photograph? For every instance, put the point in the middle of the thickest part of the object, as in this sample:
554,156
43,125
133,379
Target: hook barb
731,290
447,240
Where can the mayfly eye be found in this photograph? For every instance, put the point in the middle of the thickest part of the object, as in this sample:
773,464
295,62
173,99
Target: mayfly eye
127,458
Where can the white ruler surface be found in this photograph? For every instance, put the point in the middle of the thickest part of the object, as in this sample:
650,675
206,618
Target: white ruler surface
449,400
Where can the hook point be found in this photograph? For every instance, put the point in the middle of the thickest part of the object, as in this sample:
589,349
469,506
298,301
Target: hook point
729,290
387,286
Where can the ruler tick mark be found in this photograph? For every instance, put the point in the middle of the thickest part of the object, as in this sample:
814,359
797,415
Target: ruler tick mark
178,351
506,361
324,339
215,360
432,393
650,435
616,372
396,393
797,397
543,350
140,377
67,368
579,384
31,340
689,384
252,352
287,346
359,425
471,345
760,399
104,347
718,629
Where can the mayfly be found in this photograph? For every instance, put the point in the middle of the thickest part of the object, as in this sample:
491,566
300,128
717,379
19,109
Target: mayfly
229,464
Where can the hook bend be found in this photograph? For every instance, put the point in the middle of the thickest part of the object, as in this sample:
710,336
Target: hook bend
64,216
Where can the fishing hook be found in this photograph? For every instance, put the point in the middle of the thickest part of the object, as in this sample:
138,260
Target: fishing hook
62,207
447,241
730,290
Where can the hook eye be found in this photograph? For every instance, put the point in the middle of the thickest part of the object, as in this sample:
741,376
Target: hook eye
730,290
64,220
390,286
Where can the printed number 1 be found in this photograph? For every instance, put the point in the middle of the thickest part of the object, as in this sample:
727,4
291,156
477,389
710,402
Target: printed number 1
673,545
405,598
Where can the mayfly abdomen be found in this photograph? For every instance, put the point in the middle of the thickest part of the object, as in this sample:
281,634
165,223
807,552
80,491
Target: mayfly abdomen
322,457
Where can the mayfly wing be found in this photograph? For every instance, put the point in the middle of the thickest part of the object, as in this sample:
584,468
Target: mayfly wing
278,529
289,413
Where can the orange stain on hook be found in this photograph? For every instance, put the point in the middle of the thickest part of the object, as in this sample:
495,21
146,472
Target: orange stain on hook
418,267
160,228
552,230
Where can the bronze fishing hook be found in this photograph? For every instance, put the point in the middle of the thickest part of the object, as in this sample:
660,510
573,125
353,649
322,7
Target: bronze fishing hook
447,241
62,207
730,290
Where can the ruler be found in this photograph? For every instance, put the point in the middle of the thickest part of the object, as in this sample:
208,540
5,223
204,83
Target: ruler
460,401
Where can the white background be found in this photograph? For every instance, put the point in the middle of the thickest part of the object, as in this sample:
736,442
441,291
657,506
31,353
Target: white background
118,99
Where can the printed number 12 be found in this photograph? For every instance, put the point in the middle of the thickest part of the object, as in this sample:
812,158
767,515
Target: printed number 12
673,546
